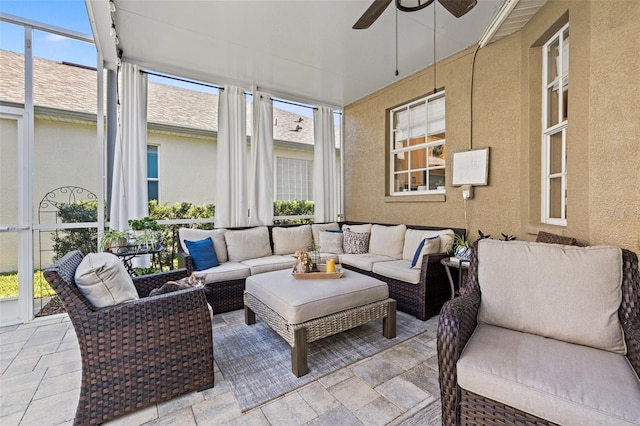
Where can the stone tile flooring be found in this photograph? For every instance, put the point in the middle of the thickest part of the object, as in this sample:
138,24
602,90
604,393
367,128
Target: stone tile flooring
40,373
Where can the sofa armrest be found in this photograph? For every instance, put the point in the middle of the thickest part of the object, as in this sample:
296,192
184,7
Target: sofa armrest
632,339
184,260
432,267
457,321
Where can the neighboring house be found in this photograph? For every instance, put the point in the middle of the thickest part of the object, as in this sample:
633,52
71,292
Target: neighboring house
181,138
181,141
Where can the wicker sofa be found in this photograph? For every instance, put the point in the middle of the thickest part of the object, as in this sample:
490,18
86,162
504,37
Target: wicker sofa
421,295
545,334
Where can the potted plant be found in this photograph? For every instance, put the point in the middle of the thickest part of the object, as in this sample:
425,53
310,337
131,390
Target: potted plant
147,240
146,233
114,241
461,247
146,223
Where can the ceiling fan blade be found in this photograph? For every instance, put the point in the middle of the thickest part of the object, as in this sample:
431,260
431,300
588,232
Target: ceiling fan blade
371,14
458,7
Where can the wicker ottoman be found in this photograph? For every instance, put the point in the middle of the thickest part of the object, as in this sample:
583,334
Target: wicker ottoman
303,311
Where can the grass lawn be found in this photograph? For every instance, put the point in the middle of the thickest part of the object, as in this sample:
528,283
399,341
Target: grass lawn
9,285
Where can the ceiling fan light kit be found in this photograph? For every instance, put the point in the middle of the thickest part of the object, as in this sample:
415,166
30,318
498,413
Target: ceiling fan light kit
456,7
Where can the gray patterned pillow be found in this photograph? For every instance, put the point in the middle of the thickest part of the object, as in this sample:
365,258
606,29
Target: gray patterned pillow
356,242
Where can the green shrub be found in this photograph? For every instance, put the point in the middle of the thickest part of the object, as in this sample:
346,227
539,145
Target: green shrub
86,211
84,240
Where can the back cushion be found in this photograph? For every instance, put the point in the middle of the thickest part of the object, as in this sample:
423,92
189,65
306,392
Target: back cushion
248,243
387,240
217,235
566,293
316,228
362,228
413,238
103,280
288,240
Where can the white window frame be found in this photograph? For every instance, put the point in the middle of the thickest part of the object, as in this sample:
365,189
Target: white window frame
278,171
411,148
549,131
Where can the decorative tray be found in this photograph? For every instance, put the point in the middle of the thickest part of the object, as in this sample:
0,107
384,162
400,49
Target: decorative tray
317,275
320,275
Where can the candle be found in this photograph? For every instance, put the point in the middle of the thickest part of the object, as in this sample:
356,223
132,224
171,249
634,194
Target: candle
331,265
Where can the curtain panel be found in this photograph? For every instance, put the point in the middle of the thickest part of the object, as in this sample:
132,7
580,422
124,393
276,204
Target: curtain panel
231,181
129,198
324,165
261,179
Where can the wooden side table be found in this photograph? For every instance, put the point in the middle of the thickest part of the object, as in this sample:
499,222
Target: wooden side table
461,267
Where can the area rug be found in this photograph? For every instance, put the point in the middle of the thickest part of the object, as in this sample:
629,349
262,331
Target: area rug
256,362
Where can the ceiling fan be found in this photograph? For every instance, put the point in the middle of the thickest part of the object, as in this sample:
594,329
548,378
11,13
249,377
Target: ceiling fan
456,7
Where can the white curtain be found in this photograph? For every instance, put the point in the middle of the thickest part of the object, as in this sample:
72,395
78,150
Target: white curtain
261,180
231,182
129,199
324,165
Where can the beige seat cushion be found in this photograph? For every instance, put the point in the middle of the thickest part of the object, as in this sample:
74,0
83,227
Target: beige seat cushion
387,240
567,293
225,272
249,243
298,301
286,240
562,382
398,270
216,235
103,280
364,261
270,263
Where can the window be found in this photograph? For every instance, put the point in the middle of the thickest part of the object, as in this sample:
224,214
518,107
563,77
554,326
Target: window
417,147
555,96
152,172
294,179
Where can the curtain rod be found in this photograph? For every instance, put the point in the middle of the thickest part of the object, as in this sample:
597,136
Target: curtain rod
182,79
215,86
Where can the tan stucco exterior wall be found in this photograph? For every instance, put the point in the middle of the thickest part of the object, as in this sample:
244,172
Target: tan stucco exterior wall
603,146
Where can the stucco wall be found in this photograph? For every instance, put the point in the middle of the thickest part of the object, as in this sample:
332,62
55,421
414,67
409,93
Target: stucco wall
603,147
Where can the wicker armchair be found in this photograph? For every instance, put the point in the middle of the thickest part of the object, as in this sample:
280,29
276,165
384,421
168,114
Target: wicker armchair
138,353
457,322
547,237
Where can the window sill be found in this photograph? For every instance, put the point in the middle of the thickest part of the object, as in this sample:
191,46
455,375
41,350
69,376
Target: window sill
535,227
426,198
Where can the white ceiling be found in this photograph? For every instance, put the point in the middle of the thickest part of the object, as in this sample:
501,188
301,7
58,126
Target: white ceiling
303,50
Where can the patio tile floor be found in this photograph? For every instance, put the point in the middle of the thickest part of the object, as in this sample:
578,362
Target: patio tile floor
40,374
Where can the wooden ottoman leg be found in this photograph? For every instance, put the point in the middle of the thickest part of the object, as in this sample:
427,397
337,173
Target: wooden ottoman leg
299,352
389,322
249,316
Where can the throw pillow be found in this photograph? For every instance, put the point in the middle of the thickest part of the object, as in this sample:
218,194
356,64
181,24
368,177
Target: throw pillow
426,246
202,253
217,235
331,242
103,280
356,242
316,228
